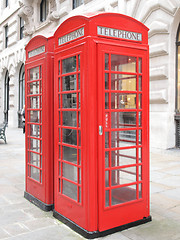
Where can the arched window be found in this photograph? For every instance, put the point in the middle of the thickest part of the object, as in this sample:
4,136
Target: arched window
21,94
43,10
6,97
177,116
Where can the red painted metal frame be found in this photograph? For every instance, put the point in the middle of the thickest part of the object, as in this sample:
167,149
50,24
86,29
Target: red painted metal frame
41,190
91,214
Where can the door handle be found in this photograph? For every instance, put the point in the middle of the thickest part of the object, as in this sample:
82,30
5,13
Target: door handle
100,130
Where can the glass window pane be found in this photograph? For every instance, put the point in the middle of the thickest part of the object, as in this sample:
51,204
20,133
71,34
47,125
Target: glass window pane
140,190
106,159
69,118
123,176
123,138
34,102
79,81
69,100
35,173
34,87
70,154
140,101
106,100
34,145
79,62
123,63
140,65
123,82
70,172
34,73
107,80
69,65
34,116
123,101
123,157
106,139
69,136
69,189
34,130
123,119
69,83
106,61
123,194
107,198
140,154
107,178
34,159
140,83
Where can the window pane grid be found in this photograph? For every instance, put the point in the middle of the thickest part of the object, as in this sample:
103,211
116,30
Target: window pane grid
124,124
69,127
34,123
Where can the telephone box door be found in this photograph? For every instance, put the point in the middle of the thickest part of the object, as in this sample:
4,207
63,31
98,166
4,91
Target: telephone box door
69,195
123,136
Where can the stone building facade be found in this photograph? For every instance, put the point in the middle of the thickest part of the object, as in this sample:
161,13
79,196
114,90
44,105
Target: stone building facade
20,20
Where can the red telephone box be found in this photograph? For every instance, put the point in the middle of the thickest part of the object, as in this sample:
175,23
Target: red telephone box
39,121
101,123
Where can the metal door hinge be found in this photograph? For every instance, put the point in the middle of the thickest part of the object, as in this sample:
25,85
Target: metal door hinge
100,130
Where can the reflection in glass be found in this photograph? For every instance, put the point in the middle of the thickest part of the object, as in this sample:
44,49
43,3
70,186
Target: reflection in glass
123,119
69,189
69,65
79,81
107,178
34,73
35,102
140,190
70,172
34,130
106,159
106,61
34,159
69,118
123,101
123,194
106,139
140,65
123,157
69,83
69,136
123,63
106,80
34,87
140,101
70,154
106,100
107,198
123,82
34,145
123,138
140,83
35,173
34,116
79,63
69,100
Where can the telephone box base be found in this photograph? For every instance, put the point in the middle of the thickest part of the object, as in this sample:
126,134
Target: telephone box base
45,207
96,234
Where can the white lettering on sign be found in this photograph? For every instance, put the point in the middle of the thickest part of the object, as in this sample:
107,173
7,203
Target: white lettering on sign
71,36
116,33
36,51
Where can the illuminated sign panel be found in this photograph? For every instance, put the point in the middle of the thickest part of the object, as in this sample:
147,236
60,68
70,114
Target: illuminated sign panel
117,33
36,51
71,36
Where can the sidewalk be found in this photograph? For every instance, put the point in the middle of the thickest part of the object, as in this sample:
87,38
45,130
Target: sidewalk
21,220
